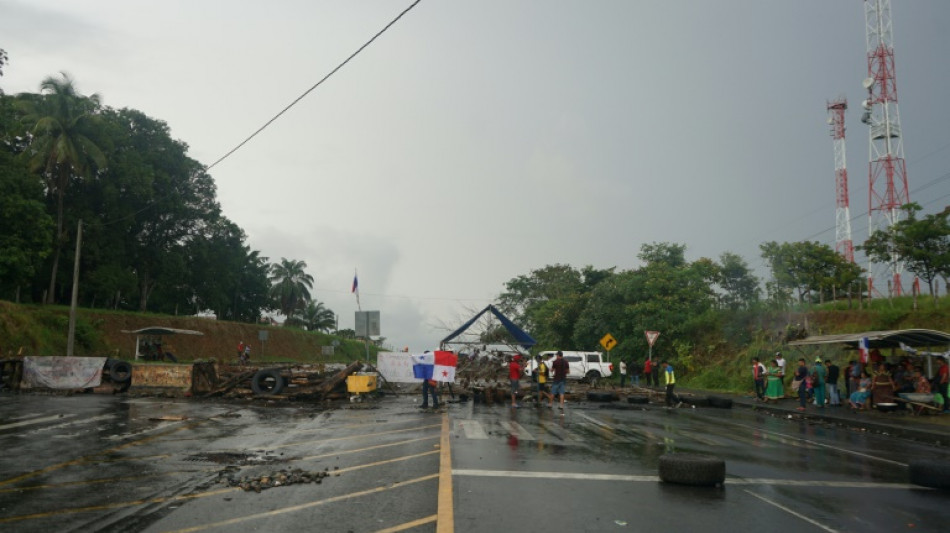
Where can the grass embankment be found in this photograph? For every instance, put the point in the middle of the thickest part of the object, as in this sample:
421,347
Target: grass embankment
42,330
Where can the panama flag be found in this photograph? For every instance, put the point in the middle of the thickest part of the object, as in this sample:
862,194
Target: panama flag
864,346
356,284
437,366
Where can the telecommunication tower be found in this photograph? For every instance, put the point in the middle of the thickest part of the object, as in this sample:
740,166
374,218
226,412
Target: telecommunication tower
843,244
887,171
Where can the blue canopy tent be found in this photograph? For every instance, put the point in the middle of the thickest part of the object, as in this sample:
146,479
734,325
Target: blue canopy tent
522,338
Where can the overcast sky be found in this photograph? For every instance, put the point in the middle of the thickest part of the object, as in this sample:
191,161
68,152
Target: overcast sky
475,141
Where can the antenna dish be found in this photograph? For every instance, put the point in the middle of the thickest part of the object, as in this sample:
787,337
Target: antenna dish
830,121
866,104
867,83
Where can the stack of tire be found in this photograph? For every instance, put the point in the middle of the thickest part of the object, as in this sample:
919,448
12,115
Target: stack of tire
120,373
267,382
692,469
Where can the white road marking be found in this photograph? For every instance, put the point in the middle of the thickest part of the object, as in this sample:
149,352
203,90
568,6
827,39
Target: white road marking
814,443
35,421
73,423
606,430
559,432
517,430
655,479
472,429
791,512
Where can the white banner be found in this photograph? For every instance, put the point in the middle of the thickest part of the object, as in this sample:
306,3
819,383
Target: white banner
396,367
62,372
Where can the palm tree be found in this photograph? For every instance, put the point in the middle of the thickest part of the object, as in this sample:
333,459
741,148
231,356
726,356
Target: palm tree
61,124
290,285
317,317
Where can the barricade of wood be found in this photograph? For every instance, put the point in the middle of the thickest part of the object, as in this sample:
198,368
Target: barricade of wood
298,382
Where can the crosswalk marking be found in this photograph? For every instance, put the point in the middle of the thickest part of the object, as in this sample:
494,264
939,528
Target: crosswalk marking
472,429
517,430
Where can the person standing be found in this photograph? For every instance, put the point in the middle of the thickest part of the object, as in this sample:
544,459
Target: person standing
800,374
241,350
634,373
561,370
780,361
670,381
543,378
831,383
655,375
943,383
430,388
775,390
818,376
514,376
623,373
647,368
758,378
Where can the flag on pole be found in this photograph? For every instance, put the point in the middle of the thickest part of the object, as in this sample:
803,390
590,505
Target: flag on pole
437,366
864,347
356,289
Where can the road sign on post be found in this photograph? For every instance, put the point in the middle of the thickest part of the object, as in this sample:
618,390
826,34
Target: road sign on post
608,342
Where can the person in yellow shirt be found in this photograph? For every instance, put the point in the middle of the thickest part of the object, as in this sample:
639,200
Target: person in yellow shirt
544,376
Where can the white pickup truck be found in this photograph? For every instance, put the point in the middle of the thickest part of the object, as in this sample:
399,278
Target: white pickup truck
589,366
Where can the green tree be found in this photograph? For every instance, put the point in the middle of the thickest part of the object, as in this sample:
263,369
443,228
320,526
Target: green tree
26,230
317,317
739,285
923,245
62,125
290,285
811,269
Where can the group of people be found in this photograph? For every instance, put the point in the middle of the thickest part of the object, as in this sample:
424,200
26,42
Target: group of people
556,375
649,370
863,387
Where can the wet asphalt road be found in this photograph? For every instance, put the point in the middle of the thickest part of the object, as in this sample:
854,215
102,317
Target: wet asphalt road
89,463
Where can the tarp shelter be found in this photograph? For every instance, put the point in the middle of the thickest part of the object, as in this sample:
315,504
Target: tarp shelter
522,338
898,338
156,331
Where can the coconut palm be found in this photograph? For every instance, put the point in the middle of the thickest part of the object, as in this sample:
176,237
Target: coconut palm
317,317
290,285
62,123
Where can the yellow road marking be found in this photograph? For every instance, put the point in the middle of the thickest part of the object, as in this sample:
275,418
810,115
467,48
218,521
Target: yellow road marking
387,461
102,480
446,515
116,505
360,436
91,458
334,454
303,506
409,525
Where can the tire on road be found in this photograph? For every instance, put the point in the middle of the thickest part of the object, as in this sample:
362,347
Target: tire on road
601,396
931,473
698,402
267,381
721,403
120,371
592,377
638,399
692,469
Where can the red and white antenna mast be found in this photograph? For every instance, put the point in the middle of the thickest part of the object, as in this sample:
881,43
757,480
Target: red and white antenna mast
887,171
843,244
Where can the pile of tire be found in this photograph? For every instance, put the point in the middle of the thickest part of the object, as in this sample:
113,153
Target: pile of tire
602,396
931,473
120,372
638,400
267,382
719,402
692,469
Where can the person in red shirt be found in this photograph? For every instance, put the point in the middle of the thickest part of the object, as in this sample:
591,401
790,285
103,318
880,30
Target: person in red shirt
648,370
561,369
514,375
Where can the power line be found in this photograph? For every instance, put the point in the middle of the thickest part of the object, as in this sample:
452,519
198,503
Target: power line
308,91
282,111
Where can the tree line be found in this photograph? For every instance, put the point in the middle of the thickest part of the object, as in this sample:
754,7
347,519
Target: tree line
154,236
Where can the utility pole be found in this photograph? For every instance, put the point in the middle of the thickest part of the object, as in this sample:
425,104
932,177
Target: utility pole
71,337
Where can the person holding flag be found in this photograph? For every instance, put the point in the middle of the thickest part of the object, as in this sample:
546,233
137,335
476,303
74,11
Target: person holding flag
431,368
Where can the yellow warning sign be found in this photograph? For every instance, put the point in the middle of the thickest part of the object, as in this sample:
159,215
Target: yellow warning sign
608,342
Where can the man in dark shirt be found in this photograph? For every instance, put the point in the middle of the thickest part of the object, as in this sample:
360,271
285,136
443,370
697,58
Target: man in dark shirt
800,374
561,369
831,383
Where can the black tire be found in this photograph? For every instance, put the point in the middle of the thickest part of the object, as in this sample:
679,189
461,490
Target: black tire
600,396
267,381
698,402
592,377
720,403
120,371
931,473
638,400
692,469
